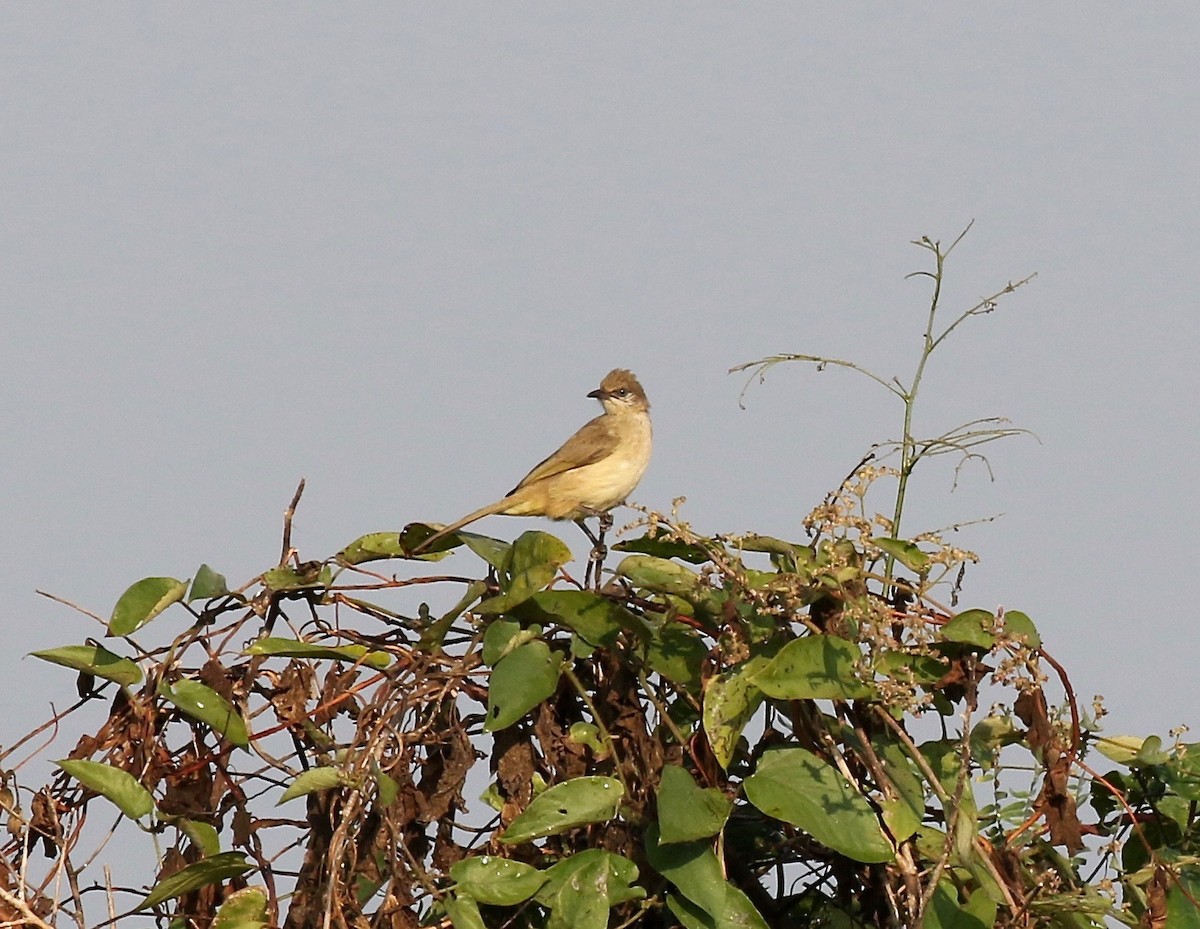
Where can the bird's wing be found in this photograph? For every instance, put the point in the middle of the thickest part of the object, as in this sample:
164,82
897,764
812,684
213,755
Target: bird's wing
594,442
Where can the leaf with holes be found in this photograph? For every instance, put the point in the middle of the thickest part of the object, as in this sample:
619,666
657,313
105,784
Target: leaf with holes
564,806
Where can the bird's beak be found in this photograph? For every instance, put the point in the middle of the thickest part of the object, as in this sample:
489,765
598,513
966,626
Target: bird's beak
598,394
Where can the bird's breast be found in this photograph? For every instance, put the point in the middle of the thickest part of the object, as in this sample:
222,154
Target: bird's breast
600,486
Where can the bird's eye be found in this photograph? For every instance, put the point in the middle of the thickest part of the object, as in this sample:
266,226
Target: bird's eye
622,392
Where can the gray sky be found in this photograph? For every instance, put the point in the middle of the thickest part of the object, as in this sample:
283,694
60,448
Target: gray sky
391,247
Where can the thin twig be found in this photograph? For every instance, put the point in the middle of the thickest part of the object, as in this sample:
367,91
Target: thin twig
288,514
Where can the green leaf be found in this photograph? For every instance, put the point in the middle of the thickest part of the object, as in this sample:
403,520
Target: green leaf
534,549
311,575
204,872
665,548
730,701
463,912
905,814
501,636
1018,624
691,867
374,546
902,665
676,652
93,659
981,907
581,889
971,627
944,758
203,836
143,601
521,680
117,786
492,797
694,870
659,574
798,554
433,636
689,915
1182,894
991,734
209,707
497,881
904,552
296,648
207,584
533,562
944,911
1119,748
794,785
595,619
815,667
386,786
564,806
242,909
1150,754
312,781
901,821
582,733
414,535
686,811
521,588
495,552
1182,774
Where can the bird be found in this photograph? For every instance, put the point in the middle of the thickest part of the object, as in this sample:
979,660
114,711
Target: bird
594,471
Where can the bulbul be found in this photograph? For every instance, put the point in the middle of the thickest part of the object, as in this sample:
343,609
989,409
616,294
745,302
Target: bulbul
594,471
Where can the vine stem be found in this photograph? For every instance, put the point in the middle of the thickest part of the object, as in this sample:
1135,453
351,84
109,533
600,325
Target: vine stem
570,674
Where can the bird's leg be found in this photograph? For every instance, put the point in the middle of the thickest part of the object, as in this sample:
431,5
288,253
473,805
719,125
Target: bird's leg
599,551
587,573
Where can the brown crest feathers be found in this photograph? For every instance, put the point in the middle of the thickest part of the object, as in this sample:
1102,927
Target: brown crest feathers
622,379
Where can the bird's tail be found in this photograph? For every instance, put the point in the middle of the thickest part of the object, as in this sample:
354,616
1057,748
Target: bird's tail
492,508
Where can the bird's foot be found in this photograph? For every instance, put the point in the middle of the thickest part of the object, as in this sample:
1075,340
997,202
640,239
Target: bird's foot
591,576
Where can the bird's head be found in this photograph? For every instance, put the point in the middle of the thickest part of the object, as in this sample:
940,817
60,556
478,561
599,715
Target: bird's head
620,392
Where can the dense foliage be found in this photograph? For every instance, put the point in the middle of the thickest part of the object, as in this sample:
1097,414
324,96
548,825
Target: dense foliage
731,732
